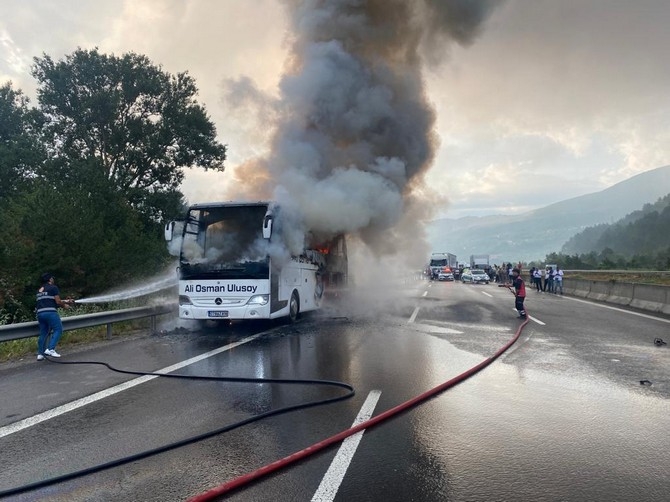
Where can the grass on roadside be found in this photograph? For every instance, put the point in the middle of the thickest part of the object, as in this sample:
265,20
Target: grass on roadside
15,349
658,279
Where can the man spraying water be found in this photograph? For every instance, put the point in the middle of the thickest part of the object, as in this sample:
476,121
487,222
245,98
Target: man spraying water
48,300
519,292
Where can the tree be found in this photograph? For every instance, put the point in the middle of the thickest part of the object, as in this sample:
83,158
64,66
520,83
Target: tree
20,153
125,122
91,243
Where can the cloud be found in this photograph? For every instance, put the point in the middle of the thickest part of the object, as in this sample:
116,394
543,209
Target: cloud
546,93
13,57
578,87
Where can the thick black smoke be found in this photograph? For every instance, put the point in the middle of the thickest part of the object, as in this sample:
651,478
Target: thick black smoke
353,129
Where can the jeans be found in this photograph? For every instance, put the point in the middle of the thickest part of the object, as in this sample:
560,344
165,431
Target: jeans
550,285
558,284
49,321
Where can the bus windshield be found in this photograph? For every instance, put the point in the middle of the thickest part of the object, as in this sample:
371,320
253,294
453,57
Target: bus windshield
225,241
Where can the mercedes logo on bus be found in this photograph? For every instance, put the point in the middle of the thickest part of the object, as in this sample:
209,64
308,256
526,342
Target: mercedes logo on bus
218,301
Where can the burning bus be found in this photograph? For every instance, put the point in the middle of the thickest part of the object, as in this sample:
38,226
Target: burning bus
233,264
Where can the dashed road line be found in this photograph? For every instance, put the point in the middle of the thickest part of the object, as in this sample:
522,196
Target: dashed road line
413,316
332,480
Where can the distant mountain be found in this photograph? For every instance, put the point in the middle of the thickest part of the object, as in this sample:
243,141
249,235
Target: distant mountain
646,231
532,235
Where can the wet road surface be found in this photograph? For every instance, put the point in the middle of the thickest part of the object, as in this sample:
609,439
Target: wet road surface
561,416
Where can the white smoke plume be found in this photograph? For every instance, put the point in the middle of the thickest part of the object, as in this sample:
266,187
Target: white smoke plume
352,130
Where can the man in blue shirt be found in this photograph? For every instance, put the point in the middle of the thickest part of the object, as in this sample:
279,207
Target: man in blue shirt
48,301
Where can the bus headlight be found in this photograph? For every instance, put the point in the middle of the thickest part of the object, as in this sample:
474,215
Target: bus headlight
185,300
259,300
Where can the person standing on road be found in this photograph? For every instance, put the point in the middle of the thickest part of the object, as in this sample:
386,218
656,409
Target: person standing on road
537,277
519,292
48,301
558,280
548,279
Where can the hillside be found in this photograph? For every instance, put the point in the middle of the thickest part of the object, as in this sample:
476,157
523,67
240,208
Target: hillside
646,230
534,234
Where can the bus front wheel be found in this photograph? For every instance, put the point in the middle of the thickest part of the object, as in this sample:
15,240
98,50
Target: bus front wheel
293,308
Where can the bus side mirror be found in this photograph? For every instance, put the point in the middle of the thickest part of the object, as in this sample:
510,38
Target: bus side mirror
267,226
169,230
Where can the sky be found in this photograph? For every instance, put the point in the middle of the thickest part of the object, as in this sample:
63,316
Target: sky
538,102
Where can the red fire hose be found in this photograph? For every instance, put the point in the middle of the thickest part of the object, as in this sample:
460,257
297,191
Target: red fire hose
240,481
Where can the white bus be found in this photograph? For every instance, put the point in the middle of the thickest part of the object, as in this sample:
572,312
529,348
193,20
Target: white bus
226,269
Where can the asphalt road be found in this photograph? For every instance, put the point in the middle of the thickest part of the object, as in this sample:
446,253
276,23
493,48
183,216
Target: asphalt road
562,415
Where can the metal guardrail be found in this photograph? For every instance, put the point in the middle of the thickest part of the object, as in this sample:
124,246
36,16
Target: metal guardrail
631,271
30,329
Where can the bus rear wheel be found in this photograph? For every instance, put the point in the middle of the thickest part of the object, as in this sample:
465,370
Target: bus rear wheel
293,308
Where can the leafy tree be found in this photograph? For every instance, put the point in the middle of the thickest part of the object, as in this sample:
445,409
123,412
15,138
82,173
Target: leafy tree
126,122
68,234
20,151
93,172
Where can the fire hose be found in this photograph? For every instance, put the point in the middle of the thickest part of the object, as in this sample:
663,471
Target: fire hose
245,479
279,464
194,439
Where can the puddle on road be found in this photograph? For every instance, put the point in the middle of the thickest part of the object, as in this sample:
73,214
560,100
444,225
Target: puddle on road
512,433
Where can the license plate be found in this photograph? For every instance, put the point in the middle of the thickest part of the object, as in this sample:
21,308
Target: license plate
217,313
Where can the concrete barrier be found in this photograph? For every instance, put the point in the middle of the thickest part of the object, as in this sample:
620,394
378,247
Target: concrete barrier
599,290
648,297
576,287
621,293
642,296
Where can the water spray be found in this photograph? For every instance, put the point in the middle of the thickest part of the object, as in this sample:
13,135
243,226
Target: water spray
158,285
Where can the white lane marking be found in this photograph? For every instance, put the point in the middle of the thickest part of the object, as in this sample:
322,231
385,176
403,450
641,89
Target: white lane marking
425,293
536,320
413,316
438,330
617,309
338,468
60,410
487,294
532,318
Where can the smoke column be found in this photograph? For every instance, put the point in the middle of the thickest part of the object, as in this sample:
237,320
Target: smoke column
352,128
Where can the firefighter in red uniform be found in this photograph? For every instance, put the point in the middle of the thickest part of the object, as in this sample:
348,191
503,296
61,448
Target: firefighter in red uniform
519,292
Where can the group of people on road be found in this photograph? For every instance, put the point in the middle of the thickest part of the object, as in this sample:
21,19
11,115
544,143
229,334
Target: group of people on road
503,274
549,279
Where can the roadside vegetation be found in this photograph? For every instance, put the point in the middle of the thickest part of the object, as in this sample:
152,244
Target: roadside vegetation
16,349
628,276
89,175
635,249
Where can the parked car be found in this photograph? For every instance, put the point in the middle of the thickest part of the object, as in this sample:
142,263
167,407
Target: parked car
475,276
445,276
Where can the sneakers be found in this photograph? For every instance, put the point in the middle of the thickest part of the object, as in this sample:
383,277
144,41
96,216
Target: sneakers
51,353
40,357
